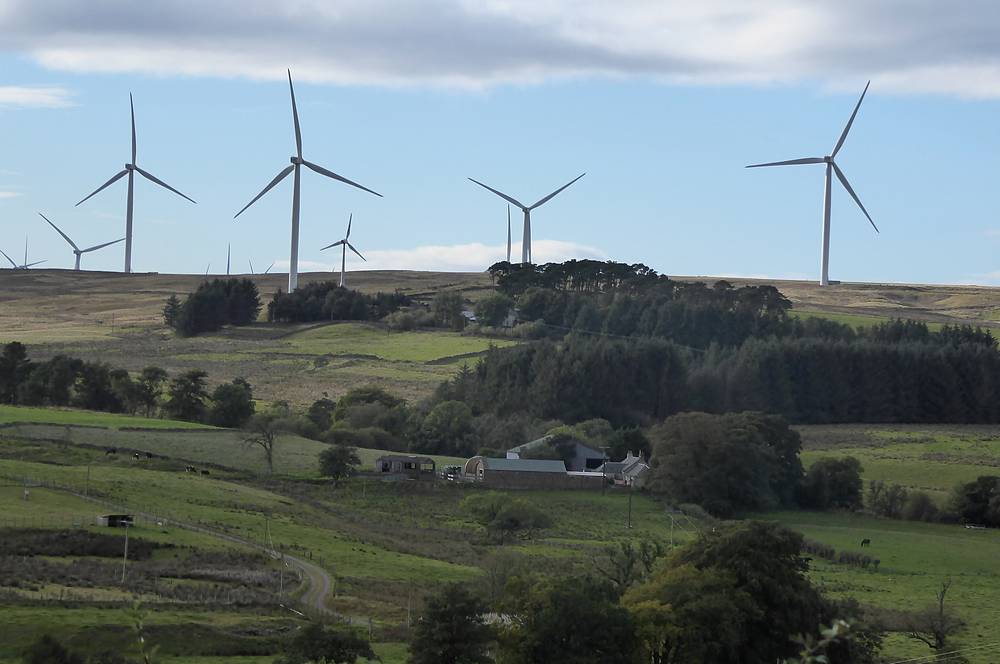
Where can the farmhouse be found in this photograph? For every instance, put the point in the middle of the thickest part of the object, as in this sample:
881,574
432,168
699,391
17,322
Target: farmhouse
577,456
400,466
528,474
630,471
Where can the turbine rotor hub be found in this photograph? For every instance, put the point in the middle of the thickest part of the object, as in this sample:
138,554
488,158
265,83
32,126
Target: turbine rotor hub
298,161
828,159
129,167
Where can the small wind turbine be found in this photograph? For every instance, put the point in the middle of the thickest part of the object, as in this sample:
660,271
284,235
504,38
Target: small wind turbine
344,246
25,265
508,232
131,169
77,250
229,249
264,272
526,235
831,169
297,163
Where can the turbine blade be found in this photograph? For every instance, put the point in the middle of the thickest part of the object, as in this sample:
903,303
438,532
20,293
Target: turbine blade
843,136
9,259
335,244
349,220
847,186
269,267
791,162
101,246
34,264
278,178
331,174
153,178
351,247
132,107
553,194
65,237
295,117
106,184
500,194
251,265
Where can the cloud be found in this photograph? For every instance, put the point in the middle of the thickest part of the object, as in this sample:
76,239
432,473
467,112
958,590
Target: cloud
12,96
473,257
9,194
921,46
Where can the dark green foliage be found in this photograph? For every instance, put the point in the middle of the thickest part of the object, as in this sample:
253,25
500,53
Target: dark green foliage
447,429
920,507
326,300
216,303
832,483
18,542
232,404
14,366
726,463
492,309
338,462
503,515
447,310
187,396
47,650
368,437
320,413
149,386
571,621
316,644
172,311
979,501
886,500
364,396
451,629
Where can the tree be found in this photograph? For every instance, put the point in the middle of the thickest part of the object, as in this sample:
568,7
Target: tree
14,367
320,413
936,624
452,629
149,386
503,515
832,483
447,310
886,500
979,501
447,429
320,645
187,396
625,564
46,650
726,463
171,311
262,431
571,621
232,404
338,462
492,309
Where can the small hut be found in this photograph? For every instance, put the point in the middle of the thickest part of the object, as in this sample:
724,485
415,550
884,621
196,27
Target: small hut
116,520
412,467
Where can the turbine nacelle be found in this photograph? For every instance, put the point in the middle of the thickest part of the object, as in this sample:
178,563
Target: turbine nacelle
129,167
298,161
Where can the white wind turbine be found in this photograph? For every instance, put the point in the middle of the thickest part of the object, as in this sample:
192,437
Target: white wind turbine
344,246
77,251
831,169
526,233
25,265
131,169
297,163
508,232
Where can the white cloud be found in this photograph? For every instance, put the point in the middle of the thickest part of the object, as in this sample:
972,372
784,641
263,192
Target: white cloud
903,45
9,194
13,96
472,257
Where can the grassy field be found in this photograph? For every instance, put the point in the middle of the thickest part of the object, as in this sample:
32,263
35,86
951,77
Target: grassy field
75,417
932,458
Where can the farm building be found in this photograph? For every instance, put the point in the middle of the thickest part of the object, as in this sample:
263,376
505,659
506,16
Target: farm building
528,474
578,457
630,471
403,466
116,520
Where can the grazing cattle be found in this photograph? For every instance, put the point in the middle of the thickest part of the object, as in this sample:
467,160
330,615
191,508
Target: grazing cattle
205,472
149,455
190,469
111,450
135,455
866,542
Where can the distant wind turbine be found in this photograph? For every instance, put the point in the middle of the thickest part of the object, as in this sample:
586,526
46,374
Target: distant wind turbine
344,246
508,232
229,249
25,265
831,169
526,234
77,250
297,163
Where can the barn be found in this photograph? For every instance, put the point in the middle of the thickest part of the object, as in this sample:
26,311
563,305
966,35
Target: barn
528,474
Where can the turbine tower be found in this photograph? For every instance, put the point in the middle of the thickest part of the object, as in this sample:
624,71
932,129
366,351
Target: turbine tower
508,232
297,163
131,169
526,233
831,169
77,250
344,246
229,250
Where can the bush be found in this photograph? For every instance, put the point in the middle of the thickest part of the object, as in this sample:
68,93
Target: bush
979,501
503,515
920,507
328,301
832,483
492,309
411,319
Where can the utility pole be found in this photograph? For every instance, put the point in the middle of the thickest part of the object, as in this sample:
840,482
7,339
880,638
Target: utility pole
629,525
125,555
86,490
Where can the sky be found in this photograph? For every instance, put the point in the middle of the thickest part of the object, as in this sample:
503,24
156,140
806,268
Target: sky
662,104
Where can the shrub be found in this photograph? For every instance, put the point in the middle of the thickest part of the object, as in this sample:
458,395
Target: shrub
832,483
920,507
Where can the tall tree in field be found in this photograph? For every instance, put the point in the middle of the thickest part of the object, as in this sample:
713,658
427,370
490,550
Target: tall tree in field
187,396
232,404
149,386
14,367
452,630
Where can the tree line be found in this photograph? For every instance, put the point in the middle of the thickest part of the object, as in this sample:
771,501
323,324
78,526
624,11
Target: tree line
214,304
319,301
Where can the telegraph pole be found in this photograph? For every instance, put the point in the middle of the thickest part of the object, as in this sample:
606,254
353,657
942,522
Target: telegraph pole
125,555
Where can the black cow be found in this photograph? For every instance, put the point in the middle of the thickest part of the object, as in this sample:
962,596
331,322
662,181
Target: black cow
205,472
866,542
111,450
135,455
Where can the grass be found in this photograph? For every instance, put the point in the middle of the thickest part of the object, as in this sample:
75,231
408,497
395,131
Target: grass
915,559
74,417
367,341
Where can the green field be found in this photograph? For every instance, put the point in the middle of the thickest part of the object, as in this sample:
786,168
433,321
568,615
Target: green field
87,418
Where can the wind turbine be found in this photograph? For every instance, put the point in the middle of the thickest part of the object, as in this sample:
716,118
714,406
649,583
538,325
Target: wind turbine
508,232
526,235
77,250
131,169
229,249
26,264
344,246
296,166
831,169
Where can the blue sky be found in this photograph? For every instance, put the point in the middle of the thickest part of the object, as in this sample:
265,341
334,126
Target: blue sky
661,104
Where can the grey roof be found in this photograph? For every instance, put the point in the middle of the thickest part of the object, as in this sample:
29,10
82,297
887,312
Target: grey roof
404,458
538,442
526,465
